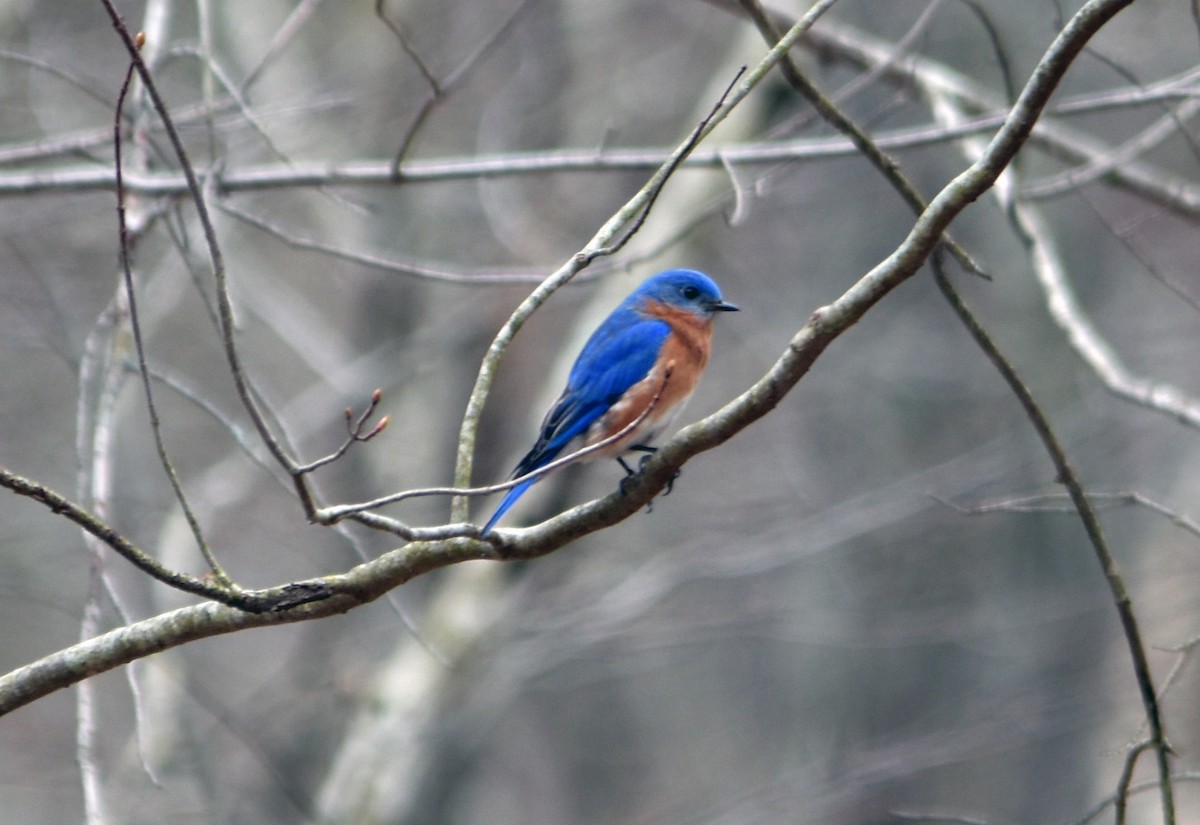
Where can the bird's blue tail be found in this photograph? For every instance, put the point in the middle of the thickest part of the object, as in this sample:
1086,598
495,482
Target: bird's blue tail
509,500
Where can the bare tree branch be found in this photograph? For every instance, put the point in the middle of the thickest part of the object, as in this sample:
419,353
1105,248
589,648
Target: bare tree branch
140,350
427,271
1067,476
217,259
440,90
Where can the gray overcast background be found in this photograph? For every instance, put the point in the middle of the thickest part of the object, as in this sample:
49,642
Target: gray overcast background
805,630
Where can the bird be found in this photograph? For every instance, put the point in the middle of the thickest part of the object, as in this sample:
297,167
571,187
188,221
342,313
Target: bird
635,373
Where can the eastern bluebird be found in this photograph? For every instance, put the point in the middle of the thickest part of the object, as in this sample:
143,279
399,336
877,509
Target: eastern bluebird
648,353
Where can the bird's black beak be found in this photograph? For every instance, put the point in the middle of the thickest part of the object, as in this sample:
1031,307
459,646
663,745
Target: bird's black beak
724,306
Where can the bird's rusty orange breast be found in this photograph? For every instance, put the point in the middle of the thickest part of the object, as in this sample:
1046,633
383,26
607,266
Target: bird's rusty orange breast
685,352
690,340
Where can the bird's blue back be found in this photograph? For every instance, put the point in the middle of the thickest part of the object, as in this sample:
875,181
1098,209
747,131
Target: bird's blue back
620,353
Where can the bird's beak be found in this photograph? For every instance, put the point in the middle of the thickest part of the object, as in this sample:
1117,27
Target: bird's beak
724,306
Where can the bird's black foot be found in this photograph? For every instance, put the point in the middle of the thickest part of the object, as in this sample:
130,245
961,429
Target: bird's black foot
630,472
671,483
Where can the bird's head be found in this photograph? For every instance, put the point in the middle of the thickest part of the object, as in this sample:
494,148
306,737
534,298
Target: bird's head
684,289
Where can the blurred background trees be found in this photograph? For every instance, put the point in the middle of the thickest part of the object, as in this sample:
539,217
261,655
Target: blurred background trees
872,605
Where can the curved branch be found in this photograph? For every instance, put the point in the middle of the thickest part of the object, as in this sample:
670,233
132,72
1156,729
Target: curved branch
96,527
1067,476
361,585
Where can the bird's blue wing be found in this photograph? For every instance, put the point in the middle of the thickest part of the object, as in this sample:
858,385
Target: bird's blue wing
617,356
621,352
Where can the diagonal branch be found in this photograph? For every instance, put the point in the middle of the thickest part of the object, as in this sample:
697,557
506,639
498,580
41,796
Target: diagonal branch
833,115
1065,473
94,526
1082,334
1067,476
439,90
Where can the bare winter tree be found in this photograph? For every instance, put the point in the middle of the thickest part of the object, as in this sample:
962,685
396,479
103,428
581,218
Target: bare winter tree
288,286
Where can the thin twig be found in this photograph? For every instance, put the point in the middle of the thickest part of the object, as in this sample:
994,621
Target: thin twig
863,142
1134,790
237,101
299,15
238,434
1121,235
668,169
1130,77
1044,504
355,434
1157,185
83,142
60,73
1081,333
139,345
903,46
225,308
439,90
95,526
426,271
1121,798
1183,657
1168,126
1144,180
331,515
178,237
1067,476
407,46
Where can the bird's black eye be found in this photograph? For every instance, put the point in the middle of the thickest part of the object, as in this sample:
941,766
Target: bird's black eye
691,293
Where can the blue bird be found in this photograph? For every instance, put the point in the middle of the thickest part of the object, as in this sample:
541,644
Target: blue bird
644,360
